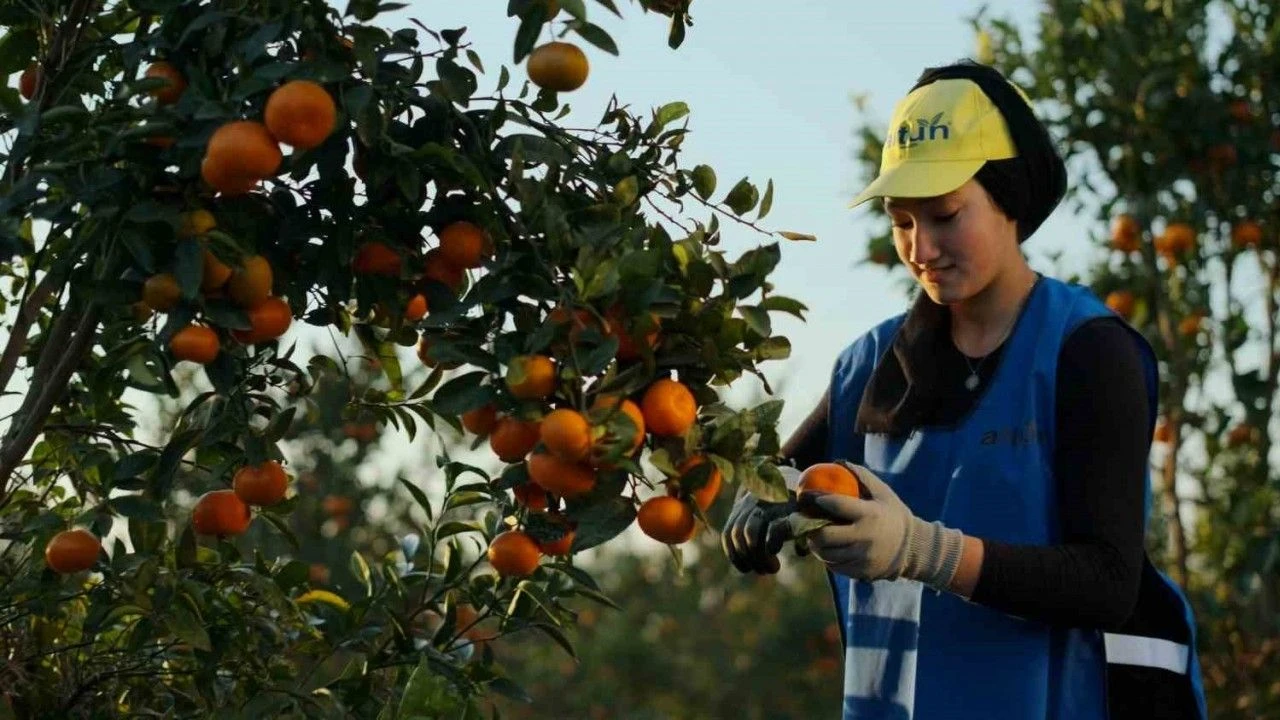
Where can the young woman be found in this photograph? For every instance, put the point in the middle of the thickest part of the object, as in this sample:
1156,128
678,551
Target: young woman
995,568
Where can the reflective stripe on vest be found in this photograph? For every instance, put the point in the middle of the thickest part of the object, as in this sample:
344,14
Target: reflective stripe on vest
1147,652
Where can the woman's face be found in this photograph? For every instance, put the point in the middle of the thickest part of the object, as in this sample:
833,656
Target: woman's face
956,244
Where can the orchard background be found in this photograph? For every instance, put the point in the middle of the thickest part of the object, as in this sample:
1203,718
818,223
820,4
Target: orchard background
422,284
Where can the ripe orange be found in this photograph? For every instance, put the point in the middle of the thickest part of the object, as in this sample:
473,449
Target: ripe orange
269,319
300,113
167,94
666,519
336,505
71,551
1122,302
560,477
566,434
215,273
1189,326
1246,234
669,408
318,574
437,267
531,377
532,495
28,80
221,177
826,478
220,513
250,284
243,149
514,554
1177,238
558,66
480,421
196,343
513,438
416,308
196,222
1125,233
628,408
705,495
1239,435
1163,433
140,311
562,545
263,484
464,244
376,258
628,347
161,292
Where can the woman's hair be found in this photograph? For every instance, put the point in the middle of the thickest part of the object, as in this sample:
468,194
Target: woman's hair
1028,187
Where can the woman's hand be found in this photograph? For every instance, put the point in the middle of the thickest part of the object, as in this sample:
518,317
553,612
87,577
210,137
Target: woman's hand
879,538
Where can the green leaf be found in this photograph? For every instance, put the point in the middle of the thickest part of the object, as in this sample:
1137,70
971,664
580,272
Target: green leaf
188,266
626,191
774,348
784,304
462,393
360,569
757,319
704,181
601,522
282,526
742,197
505,686
18,47
670,112
136,507
133,465
596,35
279,425
185,554
526,36
791,235
767,203
420,497
187,627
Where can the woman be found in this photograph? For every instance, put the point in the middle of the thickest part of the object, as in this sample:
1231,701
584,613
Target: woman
1001,428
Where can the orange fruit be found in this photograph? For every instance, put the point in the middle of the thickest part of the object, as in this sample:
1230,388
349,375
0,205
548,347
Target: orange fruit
263,484
196,223
1246,234
532,495
250,284
467,620
376,258
269,319
1126,234
560,477
416,308
221,177
669,408
1189,326
140,311
1239,435
71,551
1179,238
221,513
464,244
167,94
318,574
437,267
1240,111
512,439
336,505
666,519
705,495
481,420
531,377
558,66
628,347
628,408
566,434
196,343
1163,432
826,478
1122,303
552,8
28,80
161,292
514,554
562,545
215,273
300,113
245,149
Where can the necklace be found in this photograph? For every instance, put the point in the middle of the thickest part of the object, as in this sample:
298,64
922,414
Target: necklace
971,383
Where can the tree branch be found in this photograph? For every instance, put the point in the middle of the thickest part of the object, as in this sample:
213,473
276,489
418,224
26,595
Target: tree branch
22,325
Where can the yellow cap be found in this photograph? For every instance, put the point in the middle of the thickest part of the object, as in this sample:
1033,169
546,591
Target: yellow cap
940,136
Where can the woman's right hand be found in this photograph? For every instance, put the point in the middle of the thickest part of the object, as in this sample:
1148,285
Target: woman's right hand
755,533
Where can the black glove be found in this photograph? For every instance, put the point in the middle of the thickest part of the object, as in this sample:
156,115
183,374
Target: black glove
755,533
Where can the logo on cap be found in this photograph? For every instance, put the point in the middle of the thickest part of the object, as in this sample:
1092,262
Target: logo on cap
924,130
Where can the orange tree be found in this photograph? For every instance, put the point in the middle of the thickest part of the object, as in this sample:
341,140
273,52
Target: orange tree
188,184
1169,114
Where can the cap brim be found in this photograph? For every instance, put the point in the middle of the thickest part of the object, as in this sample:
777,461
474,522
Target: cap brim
920,180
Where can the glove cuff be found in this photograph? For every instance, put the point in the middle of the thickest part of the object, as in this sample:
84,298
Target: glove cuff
933,553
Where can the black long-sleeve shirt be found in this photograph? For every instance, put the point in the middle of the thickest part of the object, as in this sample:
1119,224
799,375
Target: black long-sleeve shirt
1102,440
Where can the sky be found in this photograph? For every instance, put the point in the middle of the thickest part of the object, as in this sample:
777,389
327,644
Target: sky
770,86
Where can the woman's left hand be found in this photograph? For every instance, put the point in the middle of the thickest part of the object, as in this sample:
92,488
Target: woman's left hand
879,538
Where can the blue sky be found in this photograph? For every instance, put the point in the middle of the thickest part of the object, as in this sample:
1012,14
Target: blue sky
770,86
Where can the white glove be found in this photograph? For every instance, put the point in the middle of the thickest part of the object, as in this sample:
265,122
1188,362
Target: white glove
878,537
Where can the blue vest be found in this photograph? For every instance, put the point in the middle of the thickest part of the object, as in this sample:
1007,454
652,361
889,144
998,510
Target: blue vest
911,652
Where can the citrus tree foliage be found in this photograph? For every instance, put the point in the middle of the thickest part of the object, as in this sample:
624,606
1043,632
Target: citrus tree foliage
1174,152
187,188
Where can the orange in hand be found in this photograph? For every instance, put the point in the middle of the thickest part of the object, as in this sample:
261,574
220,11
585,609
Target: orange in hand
822,478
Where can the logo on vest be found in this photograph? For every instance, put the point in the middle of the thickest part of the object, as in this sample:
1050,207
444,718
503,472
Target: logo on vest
924,130
1022,436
